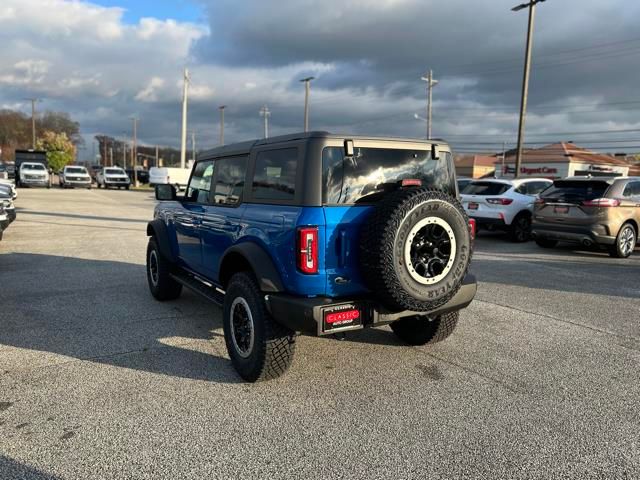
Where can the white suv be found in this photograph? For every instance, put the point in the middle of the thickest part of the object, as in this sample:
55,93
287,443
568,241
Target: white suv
504,204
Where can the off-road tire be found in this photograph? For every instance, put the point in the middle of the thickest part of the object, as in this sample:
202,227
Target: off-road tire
273,344
546,242
383,242
419,330
165,287
616,250
520,228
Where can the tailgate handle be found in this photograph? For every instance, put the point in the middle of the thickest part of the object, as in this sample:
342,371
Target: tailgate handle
342,249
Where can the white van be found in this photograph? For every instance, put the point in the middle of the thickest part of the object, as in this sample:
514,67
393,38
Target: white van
173,176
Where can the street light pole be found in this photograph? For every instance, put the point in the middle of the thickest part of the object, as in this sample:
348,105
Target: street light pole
221,108
307,91
430,84
525,80
264,112
134,150
33,121
185,99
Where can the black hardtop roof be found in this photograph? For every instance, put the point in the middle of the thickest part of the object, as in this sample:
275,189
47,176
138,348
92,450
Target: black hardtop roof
245,147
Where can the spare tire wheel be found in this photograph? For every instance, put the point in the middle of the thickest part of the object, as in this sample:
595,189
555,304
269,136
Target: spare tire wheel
416,249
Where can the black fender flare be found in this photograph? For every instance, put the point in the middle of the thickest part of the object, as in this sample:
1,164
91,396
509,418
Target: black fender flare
258,260
156,228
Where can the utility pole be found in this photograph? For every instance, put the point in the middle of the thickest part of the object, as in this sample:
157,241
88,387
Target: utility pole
33,120
307,91
185,99
504,154
264,112
124,154
111,156
134,150
430,84
157,156
221,108
525,79
193,146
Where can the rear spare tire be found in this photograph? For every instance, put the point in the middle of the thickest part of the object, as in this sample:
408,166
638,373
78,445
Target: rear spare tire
416,249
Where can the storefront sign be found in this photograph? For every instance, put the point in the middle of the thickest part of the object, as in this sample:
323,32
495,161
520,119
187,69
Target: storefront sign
508,170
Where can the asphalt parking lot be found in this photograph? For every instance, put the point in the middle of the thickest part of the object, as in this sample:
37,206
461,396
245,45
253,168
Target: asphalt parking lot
97,380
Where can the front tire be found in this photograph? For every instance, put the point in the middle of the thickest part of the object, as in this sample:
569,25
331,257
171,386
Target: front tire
259,347
625,242
420,330
161,285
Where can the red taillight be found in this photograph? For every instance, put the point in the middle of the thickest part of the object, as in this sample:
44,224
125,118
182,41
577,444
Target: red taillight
308,250
339,317
500,201
411,182
539,202
602,202
472,228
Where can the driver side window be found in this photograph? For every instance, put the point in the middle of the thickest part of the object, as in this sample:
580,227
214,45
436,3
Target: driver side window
200,184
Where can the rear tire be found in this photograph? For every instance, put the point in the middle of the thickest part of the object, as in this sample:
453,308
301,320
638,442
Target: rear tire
520,229
259,347
161,285
546,242
420,330
625,242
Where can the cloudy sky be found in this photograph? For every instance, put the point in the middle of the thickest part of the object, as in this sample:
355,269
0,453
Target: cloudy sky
107,60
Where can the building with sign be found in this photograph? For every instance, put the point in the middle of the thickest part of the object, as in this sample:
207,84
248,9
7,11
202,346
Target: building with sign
559,160
475,166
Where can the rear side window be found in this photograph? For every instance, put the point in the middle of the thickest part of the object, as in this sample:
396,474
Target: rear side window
366,176
200,183
486,188
632,189
577,191
230,174
275,175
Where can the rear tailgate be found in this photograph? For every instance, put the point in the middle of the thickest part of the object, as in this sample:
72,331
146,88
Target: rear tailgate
564,202
343,226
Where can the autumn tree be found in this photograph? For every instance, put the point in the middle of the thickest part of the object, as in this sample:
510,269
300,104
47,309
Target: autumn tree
60,150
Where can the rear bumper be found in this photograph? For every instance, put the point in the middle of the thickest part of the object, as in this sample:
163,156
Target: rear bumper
585,235
306,315
487,221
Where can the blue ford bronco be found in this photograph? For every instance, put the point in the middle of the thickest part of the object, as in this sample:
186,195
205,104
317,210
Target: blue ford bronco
319,234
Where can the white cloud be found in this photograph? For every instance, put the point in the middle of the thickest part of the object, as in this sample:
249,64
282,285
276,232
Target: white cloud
150,92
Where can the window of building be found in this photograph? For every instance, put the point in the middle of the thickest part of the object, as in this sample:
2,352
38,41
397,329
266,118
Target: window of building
275,175
230,175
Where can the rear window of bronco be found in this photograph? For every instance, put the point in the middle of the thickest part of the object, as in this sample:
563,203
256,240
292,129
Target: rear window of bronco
366,176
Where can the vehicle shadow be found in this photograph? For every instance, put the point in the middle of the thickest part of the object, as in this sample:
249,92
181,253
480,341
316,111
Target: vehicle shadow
10,468
101,311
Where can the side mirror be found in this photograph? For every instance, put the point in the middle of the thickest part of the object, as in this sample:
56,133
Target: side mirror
165,192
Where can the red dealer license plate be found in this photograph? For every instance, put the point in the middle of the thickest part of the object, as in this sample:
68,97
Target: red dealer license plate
561,210
341,317
473,206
